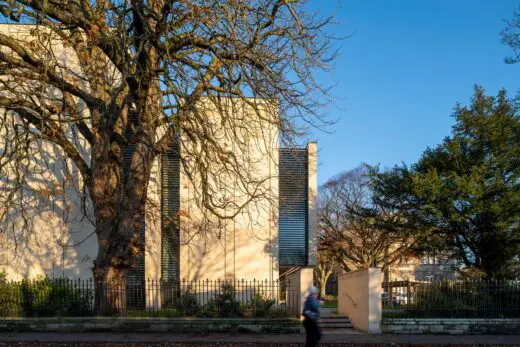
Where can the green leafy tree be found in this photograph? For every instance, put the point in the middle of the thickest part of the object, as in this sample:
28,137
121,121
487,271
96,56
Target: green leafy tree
465,193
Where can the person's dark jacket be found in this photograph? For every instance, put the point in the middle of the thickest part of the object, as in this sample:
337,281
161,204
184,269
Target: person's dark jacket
311,308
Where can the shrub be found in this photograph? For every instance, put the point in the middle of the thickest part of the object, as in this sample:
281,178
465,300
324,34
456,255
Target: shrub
10,303
224,304
188,303
45,297
209,310
258,306
461,299
278,312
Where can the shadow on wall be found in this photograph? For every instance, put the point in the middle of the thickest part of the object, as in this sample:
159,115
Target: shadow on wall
229,249
46,226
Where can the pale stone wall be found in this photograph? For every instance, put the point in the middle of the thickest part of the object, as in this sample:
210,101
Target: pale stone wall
359,297
56,249
312,152
451,326
152,233
300,282
150,325
245,246
57,239
64,244
49,231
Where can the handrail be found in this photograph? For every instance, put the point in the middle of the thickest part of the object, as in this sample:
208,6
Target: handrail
290,271
350,298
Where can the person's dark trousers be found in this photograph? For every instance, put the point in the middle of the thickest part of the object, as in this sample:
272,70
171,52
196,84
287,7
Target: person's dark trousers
312,331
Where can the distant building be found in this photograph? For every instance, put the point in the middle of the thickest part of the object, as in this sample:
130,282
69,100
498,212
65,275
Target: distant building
425,268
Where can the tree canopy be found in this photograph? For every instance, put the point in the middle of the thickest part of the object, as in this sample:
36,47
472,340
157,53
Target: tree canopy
356,228
92,79
465,193
511,37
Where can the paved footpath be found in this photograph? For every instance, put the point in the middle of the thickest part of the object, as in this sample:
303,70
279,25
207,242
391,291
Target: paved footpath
250,340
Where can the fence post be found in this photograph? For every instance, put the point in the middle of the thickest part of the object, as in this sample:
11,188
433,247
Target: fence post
301,282
408,292
153,294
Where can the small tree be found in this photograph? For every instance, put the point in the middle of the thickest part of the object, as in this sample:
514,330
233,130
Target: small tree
325,266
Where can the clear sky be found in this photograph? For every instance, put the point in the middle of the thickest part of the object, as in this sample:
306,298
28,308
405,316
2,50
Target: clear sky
401,73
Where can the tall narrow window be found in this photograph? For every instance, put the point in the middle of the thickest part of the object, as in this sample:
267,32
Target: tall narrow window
293,207
136,274
170,204
135,280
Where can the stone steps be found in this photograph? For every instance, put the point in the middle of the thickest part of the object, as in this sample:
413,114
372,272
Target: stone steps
335,323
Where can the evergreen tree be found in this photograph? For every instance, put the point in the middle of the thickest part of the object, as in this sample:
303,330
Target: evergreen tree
465,193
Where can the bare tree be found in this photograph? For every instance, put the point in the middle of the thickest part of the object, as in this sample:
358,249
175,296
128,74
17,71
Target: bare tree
511,37
325,266
356,229
139,76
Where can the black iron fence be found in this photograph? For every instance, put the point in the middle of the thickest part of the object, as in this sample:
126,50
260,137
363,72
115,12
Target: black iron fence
451,299
205,298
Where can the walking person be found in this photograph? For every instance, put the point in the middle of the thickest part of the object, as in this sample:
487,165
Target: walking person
311,314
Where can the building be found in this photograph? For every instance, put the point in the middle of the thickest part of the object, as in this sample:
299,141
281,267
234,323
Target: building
273,235
425,268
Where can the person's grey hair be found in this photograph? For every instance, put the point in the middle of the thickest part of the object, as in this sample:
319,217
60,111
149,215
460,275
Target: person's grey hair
313,290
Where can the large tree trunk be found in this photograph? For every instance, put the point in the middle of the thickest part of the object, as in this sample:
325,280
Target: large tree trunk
120,206
119,209
322,275
118,251
110,291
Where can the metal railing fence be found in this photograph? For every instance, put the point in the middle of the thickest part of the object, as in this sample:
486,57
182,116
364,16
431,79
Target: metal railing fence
451,299
151,298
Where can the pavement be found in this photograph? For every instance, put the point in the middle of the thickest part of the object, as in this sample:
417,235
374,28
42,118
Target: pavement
249,339
336,338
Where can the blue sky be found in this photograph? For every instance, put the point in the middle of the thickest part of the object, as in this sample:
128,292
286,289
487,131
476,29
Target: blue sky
400,74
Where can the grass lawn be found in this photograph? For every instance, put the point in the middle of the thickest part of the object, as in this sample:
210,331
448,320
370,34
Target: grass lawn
330,304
